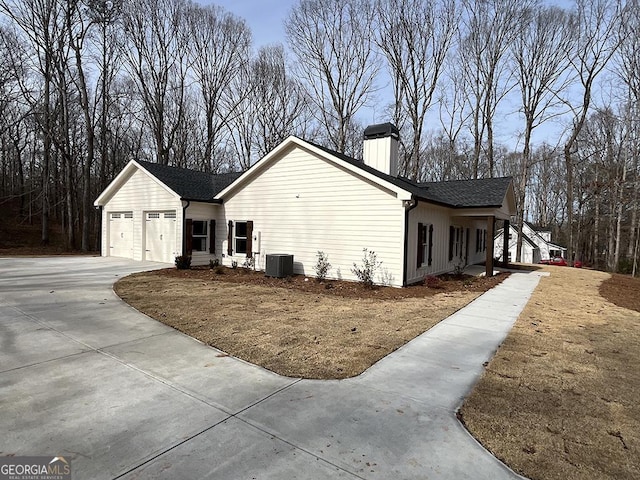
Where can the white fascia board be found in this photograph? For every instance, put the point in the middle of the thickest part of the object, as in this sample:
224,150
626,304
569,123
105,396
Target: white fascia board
115,184
122,177
480,212
292,142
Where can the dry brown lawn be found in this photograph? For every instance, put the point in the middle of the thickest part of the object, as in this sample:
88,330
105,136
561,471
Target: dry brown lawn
296,328
561,398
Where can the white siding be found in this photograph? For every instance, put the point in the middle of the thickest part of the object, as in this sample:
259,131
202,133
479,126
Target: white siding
141,194
540,242
530,254
441,218
205,212
302,204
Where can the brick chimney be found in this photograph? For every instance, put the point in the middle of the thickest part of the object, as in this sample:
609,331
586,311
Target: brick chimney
380,149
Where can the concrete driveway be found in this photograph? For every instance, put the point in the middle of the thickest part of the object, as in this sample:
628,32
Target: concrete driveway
84,376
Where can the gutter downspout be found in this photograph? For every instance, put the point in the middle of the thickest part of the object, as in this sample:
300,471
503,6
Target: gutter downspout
406,239
184,227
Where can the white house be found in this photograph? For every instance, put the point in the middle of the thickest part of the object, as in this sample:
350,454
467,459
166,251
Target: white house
536,244
300,199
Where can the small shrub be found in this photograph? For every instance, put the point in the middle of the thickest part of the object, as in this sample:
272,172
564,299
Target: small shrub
458,269
386,278
249,263
322,266
234,264
367,271
432,281
214,263
183,262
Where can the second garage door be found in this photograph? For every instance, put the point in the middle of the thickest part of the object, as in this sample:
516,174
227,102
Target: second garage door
160,244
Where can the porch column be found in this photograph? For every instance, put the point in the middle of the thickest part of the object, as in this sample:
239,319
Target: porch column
505,244
490,233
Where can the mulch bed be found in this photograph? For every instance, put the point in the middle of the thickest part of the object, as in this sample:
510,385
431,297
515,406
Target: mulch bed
434,285
622,290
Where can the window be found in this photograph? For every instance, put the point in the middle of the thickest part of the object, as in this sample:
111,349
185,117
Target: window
481,240
239,239
199,232
455,242
425,245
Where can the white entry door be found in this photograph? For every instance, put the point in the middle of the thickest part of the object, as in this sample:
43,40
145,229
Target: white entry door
121,234
160,245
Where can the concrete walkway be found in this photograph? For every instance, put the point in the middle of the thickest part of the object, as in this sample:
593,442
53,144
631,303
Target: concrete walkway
84,376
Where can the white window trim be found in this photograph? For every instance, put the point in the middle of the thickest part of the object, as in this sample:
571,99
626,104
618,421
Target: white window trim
236,237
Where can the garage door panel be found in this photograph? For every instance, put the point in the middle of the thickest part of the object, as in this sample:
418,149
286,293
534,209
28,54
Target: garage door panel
121,234
160,244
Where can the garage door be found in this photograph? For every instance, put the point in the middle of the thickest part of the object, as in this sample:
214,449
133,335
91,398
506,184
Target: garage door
160,245
121,234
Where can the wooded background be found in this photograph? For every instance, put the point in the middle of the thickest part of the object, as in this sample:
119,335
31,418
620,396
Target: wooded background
86,86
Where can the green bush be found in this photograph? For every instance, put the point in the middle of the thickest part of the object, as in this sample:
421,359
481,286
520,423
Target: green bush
214,263
183,262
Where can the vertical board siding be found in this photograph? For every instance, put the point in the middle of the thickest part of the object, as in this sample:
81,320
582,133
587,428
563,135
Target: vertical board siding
140,194
302,204
442,219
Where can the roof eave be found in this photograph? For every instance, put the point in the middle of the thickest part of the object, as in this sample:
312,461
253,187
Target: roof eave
212,200
117,182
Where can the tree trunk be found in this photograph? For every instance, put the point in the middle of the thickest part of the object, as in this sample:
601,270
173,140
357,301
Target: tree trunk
568,162
46,156
619,212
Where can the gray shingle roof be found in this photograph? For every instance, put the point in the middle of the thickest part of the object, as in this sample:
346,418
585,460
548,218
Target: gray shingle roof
190,184
200,186
482,192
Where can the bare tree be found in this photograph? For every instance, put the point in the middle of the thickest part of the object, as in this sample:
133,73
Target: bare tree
628,70
219,49
453,116
240,124
41,24
156,56
594,23
105,38
280,101
332,41
539,53
490,27
415,37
